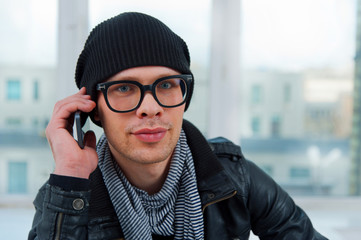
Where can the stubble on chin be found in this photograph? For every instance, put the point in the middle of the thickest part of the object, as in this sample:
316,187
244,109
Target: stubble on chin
125,153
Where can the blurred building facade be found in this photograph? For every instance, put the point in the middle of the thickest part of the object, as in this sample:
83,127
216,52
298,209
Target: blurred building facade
296,126
27,99
27,96
272,104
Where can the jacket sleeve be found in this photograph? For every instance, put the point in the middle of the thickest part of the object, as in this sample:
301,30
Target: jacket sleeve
60,213
274,215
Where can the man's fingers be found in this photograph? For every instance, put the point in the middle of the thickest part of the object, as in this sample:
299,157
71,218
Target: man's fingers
63,113
66,107
82,91
78,101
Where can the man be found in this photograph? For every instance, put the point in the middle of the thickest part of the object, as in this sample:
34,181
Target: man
152,175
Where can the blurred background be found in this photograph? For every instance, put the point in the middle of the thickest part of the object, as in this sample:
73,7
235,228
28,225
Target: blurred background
281,78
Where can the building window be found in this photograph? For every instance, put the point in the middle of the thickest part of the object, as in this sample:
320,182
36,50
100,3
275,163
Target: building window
36,90
13,89
276,126
13,122
256,94
300,173
287,93
17,177
256,126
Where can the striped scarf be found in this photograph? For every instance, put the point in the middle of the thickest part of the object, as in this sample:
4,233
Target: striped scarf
174,210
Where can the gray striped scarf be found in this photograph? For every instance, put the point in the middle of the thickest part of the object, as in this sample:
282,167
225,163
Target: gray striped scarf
174,210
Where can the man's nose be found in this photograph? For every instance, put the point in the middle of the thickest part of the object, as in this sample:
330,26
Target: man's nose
149,107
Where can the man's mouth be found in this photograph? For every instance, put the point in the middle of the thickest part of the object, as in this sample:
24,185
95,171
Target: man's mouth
150,135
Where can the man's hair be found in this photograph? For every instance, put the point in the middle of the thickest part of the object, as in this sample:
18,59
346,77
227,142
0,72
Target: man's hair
129,40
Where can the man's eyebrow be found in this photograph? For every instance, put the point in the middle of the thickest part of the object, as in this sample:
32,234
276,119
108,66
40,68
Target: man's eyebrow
123,78
137,79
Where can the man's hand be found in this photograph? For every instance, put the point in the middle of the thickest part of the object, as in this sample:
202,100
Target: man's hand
70,159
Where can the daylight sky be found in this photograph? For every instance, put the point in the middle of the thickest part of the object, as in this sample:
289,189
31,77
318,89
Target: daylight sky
285,34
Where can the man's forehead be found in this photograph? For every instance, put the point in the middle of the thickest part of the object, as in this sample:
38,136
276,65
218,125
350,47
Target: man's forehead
143,73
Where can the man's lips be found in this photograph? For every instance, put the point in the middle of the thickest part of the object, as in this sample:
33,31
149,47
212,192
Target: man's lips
150,135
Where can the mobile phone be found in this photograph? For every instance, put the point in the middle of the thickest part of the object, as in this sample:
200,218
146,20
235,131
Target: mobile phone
79,131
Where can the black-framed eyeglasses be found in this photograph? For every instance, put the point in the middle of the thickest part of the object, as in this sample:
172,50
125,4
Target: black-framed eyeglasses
126,96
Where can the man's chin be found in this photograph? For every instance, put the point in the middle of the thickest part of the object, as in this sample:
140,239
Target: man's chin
154,153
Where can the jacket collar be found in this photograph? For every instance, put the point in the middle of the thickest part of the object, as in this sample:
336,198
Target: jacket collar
212,180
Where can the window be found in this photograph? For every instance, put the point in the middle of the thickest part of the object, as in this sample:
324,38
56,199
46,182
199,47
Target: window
13,89
36,90
13,122
300,173
276,126
256,126
256,97
17,177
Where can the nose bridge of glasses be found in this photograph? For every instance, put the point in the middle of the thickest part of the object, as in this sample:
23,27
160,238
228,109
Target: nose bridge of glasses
147,88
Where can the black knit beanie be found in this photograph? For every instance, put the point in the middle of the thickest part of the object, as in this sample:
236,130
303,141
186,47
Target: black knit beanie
129,40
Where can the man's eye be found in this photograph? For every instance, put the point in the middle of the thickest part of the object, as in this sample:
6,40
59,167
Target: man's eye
166,85
124,88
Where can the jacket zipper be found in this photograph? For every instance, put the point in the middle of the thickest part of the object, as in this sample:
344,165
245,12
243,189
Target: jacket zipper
59,222
219,200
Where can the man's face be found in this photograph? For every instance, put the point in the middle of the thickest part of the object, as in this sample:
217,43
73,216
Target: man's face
149,133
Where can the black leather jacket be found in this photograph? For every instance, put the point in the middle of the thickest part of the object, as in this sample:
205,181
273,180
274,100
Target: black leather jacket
236,196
